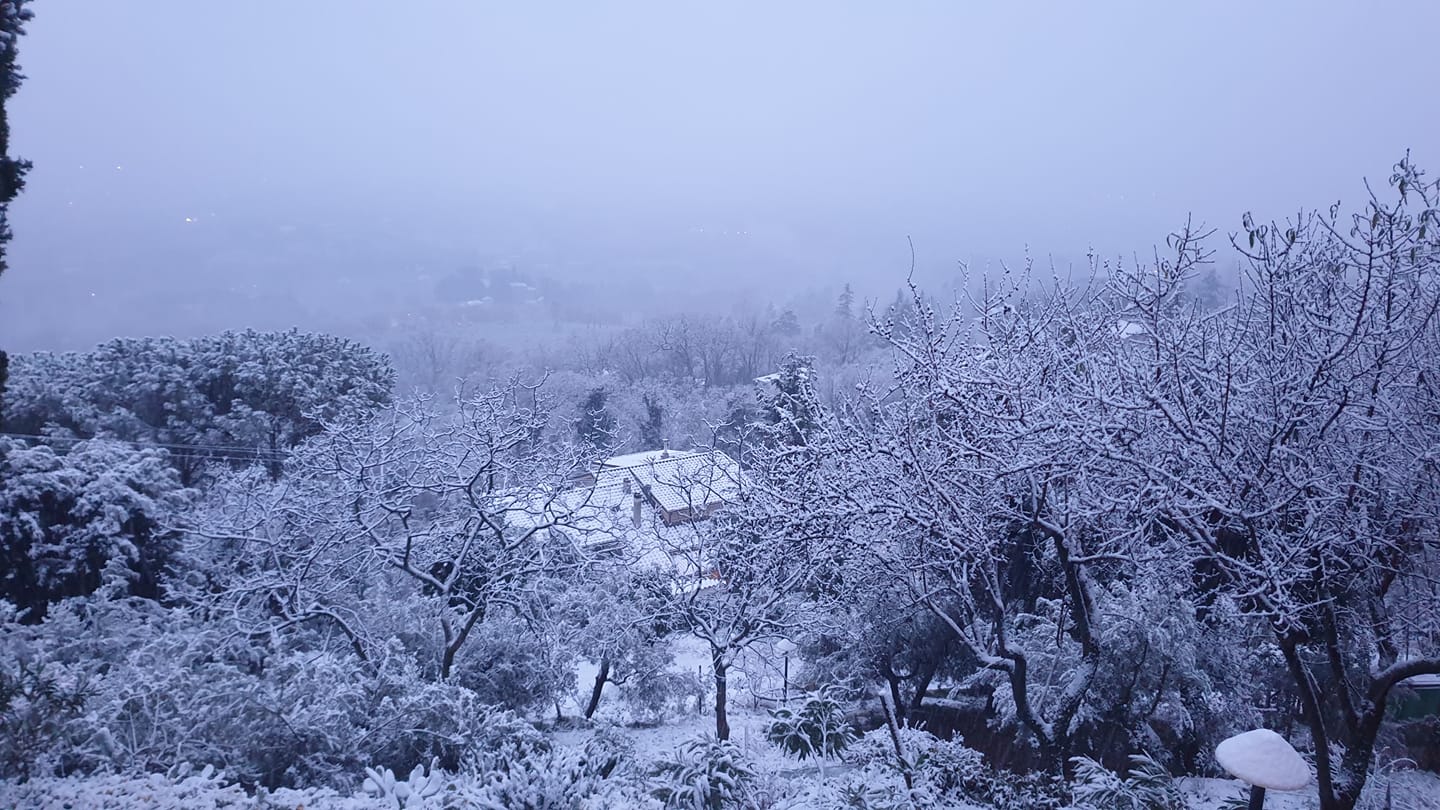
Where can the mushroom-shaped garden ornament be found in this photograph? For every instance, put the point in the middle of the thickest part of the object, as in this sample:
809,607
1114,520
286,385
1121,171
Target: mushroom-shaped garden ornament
1263,759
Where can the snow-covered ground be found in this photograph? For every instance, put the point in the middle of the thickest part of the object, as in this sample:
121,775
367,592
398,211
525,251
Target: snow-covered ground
1407,790
756,677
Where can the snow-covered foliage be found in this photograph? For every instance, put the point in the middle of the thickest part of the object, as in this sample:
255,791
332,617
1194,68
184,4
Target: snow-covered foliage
412,526
1145,786
817,729
415,790
238,395
705,774
945,773
71,523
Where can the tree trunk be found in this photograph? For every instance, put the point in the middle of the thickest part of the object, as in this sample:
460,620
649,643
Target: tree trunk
921,687
722,725
452,645
895,701
1313,715
600,678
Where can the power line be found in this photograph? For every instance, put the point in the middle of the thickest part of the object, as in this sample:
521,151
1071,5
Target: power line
257,452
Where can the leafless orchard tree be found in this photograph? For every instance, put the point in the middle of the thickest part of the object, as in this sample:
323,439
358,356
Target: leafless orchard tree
740,578
460,510
958,477
1278,453
1288,446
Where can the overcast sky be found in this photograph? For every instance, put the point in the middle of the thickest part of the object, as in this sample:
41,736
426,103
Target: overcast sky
979,128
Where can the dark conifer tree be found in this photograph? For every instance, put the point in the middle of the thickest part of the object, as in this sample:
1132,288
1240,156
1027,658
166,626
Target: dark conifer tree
596,426
652,426
845,305
788,324
789,407
13,16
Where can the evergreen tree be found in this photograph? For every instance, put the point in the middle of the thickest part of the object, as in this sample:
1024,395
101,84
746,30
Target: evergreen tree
13,16
787,324
652,426
788,404
596,426
735,435
845,306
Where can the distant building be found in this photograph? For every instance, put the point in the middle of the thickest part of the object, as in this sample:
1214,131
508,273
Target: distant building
680,487
645,508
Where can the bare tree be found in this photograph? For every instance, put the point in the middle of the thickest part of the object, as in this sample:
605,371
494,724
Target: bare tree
1287,444
739,578
462,509
960,462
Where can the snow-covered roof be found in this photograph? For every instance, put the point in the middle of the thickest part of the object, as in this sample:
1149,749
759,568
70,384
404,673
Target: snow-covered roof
673,480
1263,758
633,459
687,480
1422,682
601,516
1129,329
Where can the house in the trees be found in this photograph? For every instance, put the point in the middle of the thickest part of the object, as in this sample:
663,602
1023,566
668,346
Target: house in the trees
649,509
676,486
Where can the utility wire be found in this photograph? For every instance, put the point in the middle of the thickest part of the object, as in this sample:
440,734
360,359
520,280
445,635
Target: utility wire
221,448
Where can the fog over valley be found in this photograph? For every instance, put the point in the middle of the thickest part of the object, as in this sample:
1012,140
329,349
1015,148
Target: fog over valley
326,164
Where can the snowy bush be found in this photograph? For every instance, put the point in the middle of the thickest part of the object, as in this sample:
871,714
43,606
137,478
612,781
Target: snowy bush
72,522
1029,791
183,789
499,738
817,729
1145,786
246,395
505,664
413,791
39,707
946,771
863,789
705,774
163,687
662,696
560,779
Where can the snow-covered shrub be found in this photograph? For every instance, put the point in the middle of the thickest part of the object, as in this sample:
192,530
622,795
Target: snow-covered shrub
505,664
39,707
163,686
651,701
414,790
1030,791
74,521
184,788
610,750
705,774
559,779
1145,786
946,771
862,789
817,729
946,768
236,392
500,737
1170,680
949,768
876,746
